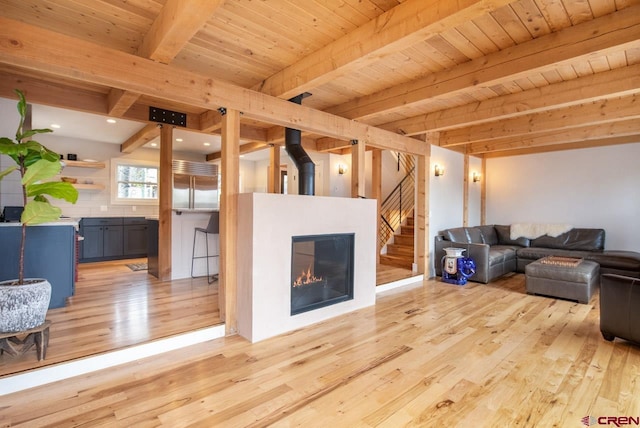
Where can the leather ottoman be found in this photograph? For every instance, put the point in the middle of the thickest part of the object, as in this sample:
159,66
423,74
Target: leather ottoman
565,282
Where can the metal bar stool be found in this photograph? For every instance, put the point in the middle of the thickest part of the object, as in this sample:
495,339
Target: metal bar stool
212,228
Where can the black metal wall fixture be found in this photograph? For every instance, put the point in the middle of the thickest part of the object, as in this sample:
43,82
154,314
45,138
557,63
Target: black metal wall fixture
160,115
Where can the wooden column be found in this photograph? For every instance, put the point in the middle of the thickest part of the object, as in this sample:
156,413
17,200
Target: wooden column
230,159
357,169
376,191
483,192
422,246
465,193
165,203
273,179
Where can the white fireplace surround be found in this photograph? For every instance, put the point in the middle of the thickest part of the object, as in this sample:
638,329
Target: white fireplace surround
266,224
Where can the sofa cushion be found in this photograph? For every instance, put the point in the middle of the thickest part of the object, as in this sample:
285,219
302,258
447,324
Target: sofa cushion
575,239
501,253
504,236
475,236
457,234
488,233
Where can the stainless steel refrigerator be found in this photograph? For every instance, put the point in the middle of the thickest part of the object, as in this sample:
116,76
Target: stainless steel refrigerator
195,185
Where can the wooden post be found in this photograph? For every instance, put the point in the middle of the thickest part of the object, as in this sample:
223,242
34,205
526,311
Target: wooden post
376,191
273,179
165,203
465,193
483,192
230,159
357,169
421,228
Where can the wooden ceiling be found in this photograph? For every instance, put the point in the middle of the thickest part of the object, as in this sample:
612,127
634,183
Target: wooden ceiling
482,77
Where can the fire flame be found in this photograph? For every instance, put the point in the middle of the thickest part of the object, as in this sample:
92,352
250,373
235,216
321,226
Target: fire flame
305,278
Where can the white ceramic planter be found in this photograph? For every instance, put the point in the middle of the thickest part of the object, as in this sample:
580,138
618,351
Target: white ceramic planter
23,307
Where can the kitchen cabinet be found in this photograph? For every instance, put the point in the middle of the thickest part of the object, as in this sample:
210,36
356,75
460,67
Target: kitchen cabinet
135,237
112,238
50,253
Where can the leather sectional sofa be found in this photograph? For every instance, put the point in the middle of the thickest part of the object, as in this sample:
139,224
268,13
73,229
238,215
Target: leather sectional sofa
496,254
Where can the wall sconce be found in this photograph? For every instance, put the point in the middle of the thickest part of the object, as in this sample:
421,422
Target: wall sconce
475,177
342,168
439,170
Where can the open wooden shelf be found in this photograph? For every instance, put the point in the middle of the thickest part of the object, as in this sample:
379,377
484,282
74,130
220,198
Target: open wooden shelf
84,164
83,186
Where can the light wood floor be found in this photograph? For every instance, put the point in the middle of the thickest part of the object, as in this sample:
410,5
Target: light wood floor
433,355
114,307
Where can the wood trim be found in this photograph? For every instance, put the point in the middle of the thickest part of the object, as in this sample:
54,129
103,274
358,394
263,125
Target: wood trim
465,192
165,203
34,48
421,227
483,193
614,31
273,179
608,84
376,192
592,113
175,26
574,135
230,167
358,170
120,101
403,26
141,138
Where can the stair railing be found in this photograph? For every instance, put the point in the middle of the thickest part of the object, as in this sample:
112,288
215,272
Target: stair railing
400,202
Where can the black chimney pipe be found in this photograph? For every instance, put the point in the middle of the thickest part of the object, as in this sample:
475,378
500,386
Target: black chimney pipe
293,145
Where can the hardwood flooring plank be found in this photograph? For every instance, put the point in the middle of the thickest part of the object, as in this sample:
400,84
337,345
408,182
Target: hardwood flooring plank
430,355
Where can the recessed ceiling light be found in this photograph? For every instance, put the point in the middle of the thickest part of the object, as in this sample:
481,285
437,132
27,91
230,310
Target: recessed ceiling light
55,126
179,140
207,144
153,144
111,121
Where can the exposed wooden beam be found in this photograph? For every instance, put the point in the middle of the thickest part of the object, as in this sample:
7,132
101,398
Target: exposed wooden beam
608,84
585,133
598,142
603,111
52,94
140,138
358,170
244,149
329,144
120,101
43,50
165,203
178,22
273,179
230,170
405,25
600,36
210,121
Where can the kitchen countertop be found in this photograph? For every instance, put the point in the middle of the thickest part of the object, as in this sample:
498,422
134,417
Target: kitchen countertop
61,222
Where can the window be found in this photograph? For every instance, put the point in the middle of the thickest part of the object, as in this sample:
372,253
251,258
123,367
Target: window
134,182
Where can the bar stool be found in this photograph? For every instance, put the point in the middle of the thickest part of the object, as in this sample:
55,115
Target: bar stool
213,228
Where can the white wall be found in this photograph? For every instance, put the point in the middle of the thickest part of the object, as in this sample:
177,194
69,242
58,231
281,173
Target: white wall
597,187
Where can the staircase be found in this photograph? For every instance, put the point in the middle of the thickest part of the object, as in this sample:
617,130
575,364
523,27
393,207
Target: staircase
400,252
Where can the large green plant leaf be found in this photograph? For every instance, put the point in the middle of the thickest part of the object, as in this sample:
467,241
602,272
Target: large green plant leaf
7,171
40,170
55,189
36,212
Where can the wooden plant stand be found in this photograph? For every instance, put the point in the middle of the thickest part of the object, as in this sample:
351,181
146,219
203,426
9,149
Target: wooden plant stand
14,346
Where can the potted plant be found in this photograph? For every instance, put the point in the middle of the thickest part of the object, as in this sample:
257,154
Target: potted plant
24,302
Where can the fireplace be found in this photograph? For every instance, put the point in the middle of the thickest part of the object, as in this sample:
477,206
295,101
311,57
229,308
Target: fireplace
321,271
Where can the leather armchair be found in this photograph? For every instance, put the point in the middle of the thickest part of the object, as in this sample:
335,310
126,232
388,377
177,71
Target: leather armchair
620,307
